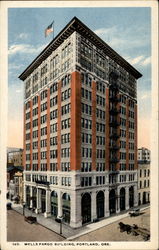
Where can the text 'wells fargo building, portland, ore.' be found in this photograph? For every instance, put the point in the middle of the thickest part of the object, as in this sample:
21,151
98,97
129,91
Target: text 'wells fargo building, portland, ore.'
80,129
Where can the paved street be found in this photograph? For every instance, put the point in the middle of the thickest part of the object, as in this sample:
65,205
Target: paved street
111,232
20,230
104,230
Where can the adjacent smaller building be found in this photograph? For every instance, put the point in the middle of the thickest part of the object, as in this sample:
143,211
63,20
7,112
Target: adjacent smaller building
144,157
15,156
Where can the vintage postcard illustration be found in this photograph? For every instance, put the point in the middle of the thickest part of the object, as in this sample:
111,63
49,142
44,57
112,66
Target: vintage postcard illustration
78,145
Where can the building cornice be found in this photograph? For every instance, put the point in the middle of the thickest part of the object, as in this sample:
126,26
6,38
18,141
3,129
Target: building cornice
76,25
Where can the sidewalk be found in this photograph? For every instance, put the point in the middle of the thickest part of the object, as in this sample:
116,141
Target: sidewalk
68,232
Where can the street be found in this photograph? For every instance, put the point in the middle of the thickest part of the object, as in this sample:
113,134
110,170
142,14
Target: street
20,230
111,232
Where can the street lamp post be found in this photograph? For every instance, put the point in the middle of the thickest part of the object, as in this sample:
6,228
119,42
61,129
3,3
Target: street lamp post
59,220
23,208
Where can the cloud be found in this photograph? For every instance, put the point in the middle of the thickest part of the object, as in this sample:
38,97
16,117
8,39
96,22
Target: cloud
103,31
146,61
25,49
140,60
23,36
135,60
124,39
18,91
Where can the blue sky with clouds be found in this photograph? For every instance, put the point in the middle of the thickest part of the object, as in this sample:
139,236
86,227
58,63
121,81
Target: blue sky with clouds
126,30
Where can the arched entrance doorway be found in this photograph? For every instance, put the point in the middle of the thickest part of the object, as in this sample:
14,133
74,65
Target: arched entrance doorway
131,197
28,196
100,204
54,203
112,201
34,197
43,200
86,208
144,198
66,207
122,199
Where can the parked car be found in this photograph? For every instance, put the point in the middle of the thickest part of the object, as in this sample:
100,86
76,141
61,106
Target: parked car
31,219
9,205
134,212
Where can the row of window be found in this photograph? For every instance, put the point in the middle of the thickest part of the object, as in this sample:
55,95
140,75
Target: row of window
100,100
144,172
86,138
86,94
144,184
100,114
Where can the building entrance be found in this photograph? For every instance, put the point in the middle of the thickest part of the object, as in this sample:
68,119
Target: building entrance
112,201
122,199
86,208
100,204
131,197
54,204
43,201
28,196
144,198
66,207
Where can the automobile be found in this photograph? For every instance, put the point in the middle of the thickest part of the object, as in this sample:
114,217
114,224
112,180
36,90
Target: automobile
134,212
9,205
31,219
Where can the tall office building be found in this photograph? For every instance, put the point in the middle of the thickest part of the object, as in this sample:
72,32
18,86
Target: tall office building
80,129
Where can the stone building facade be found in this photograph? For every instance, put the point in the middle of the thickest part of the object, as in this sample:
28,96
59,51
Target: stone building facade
80,129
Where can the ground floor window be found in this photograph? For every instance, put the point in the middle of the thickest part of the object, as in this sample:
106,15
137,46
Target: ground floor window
86,208
66,207
54,203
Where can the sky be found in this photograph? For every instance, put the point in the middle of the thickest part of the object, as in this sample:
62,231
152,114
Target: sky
126,30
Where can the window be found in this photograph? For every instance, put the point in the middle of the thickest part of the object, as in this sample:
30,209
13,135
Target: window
43,167
44,131
85,123
65,138
66,181
43,143
35,123
53,166
43,155
65,166
35,100
86,167
43,106
35,145
53,128
43,94
66,80
65,109
53,154
53,101
53,88
54,180
35,134
65,152
53,141
100,166
86,181
87,109
100,180
65,94
65,123
43,119
53,114
27,116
